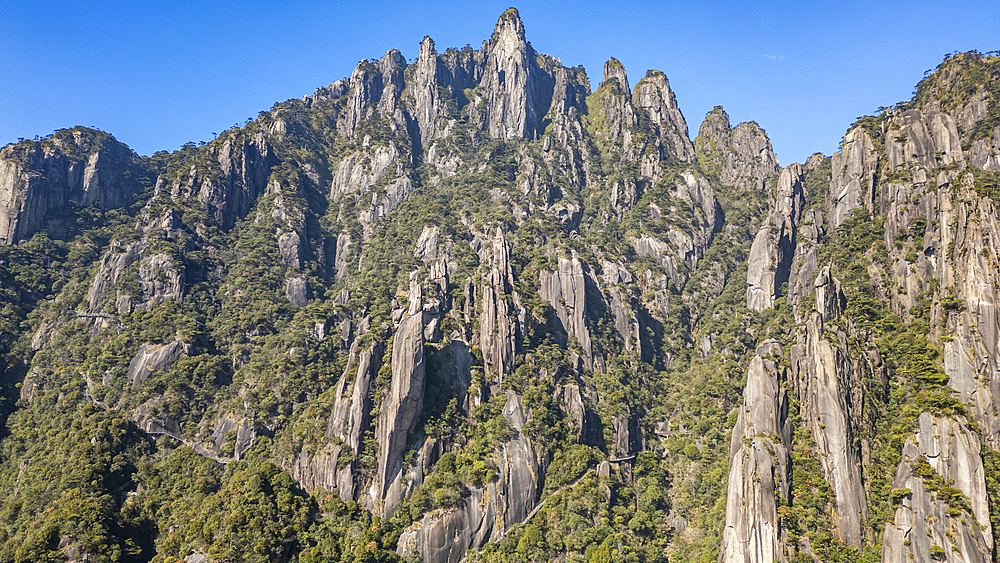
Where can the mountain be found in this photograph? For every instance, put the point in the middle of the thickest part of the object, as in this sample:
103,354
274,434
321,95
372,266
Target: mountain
472,308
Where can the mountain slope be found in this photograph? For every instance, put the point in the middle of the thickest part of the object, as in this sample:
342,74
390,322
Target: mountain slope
470,304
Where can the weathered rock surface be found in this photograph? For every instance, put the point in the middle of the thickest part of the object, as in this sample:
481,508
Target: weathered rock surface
38,179
566,290
653,94
150,359
112,268
400,409
759,471
770,261
245,163
928,138
516,90
824,382
985,153
742,155
948,450
160,280
852,186
497,328
443,536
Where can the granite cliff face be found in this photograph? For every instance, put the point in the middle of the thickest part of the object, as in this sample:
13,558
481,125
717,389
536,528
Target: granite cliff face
942,450
39,180
899,174
480,311
759,467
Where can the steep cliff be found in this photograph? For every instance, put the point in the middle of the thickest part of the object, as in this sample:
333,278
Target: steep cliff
466,307
758,469
40,181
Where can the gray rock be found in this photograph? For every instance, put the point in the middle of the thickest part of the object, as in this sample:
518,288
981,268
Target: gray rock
318,471
623,435
38,179
974,110
400,407
829,297
376,87
246,164
497,328
985,152
653,94
922,519
615,70
824,376
770,261
425,101
289,245
604,469
576,409
427,244
150,359
742,154
759,470
357,173
343,250
769,349
444,536
516,91
928,138
160,280
565,290
297,291
771,254
519,467
113,265
852,185
46,331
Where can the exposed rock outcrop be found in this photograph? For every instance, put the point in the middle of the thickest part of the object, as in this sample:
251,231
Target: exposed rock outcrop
399,410
516,91
741,155
443,536
150,359
770,260
39,179
854,166
565,289
498,326
759,471
654,95
941,489
824,382
245,163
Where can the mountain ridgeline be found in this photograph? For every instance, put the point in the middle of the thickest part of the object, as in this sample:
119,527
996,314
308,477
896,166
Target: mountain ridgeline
470,308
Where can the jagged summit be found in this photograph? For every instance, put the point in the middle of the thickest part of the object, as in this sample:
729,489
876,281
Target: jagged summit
470,309
614,69
509,27
741,156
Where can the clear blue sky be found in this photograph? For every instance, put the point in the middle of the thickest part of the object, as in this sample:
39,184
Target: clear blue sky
159,74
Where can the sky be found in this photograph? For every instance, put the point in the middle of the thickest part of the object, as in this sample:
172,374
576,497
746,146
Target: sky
159,74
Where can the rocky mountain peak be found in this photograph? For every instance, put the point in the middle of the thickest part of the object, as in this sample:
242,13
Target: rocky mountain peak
742,156
715,126
509,27
516,91
482,302
653,94
38,179
615,69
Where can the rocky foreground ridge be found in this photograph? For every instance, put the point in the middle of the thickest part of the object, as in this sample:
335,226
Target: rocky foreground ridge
472,308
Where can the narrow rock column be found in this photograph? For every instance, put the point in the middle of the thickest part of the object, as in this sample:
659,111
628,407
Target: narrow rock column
758,470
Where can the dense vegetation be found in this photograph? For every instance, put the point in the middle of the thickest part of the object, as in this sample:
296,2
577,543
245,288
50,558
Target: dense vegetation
84,473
